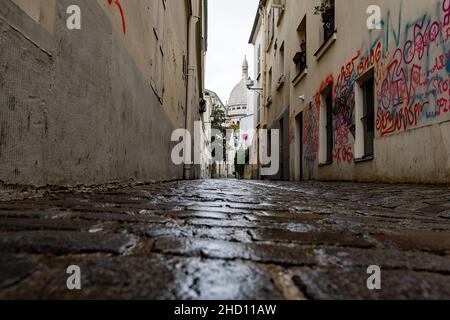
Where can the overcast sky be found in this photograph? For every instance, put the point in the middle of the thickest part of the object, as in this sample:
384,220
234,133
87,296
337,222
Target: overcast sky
230,25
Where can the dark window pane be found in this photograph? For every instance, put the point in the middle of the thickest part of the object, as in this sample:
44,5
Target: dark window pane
369,116
329,104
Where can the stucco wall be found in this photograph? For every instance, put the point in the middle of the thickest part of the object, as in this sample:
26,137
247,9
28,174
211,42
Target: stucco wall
41,11
77,107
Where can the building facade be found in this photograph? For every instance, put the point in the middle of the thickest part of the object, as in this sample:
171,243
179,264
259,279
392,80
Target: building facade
359,89
99,104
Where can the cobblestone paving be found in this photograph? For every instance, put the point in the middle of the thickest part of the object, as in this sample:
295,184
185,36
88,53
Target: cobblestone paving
229,239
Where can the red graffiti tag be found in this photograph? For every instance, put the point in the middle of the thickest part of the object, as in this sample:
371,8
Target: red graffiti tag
446,10
389,122
119,6
327,82
343,154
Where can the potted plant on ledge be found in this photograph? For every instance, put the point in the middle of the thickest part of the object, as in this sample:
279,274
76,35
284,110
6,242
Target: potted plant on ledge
326,10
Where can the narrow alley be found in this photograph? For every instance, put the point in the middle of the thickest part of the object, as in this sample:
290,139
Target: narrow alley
211,153
229,239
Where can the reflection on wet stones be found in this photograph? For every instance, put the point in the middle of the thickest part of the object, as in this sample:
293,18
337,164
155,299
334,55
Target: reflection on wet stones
228,239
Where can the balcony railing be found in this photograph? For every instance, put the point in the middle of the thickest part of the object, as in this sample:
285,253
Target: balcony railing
300,61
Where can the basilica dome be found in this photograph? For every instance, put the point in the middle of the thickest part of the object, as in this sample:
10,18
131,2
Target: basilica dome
237,103
239,94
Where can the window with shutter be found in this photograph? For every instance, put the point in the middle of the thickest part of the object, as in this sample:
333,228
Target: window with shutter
159,10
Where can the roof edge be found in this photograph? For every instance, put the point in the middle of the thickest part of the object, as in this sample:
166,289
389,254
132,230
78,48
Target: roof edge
262,3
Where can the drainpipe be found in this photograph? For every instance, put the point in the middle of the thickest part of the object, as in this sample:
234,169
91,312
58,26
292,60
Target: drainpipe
191,59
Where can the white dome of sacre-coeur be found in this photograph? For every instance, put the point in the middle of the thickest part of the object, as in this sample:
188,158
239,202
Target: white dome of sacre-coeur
239,94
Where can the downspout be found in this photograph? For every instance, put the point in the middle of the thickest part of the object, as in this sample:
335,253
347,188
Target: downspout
263,122
185,165
191,48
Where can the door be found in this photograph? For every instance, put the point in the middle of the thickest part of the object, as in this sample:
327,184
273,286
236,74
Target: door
299,124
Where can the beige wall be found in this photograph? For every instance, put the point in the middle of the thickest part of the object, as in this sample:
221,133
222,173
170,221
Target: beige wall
42,11
276,94
169,19
32,8
412,122
159,59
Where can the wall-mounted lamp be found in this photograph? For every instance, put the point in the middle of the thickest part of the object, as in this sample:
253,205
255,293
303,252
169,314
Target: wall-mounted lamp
250,84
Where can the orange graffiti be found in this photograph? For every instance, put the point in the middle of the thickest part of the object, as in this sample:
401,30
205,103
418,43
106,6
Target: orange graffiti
328,81
119,6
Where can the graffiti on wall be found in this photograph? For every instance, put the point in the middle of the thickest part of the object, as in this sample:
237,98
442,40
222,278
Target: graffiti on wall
122,15
311,133
414,88
311,125
344,111
411,62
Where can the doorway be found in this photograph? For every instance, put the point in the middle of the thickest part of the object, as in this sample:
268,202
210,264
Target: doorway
299,137
281,144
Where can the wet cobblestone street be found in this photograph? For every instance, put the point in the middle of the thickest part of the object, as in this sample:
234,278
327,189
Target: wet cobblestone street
229,239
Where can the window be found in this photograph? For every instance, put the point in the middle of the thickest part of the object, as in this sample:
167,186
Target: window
159,11
300,57
328,19
365,111
271,27
326,126
329,106
280,57
269,85
369,116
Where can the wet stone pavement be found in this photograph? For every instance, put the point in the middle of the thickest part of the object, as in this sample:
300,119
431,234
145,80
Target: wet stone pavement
229,239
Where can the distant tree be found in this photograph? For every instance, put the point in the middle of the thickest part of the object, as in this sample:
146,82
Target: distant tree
234,127
218,121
